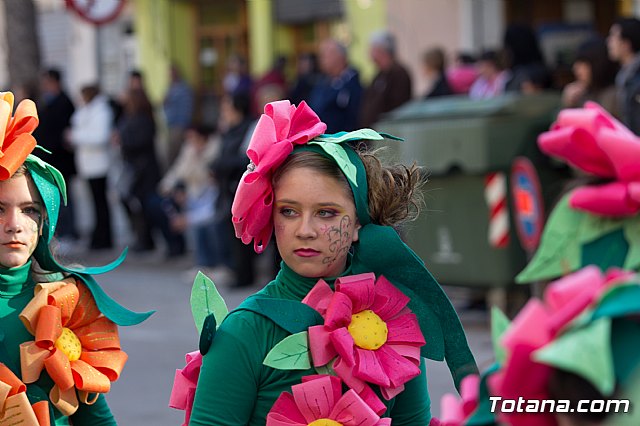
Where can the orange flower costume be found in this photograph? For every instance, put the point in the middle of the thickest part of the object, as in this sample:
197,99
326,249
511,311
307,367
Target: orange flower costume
77,345
15,408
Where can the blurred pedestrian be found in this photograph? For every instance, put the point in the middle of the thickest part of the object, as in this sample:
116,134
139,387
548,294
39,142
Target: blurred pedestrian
227,169
391,86
135,135
594,76
54,114
462,74
433,69
274,77
623,45
90,135
307,77
522,53
336,98
237,78
178,111
492,77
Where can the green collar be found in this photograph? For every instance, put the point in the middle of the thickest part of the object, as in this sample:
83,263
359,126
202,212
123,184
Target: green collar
14,280
296,286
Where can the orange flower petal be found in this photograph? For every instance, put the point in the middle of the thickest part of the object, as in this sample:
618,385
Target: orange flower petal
88,378
25,119
7,376
108,362
41,409
100,334
84,397
18,411
15,153
65,401
65,299
31,361
48,327
86,310
59,369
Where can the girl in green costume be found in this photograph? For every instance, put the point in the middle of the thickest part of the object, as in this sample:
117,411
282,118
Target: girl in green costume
48,312
332,210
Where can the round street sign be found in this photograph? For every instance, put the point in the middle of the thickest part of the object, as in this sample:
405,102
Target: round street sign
528,203
97,12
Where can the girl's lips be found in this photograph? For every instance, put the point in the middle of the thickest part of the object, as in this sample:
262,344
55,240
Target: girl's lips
14,245
306,252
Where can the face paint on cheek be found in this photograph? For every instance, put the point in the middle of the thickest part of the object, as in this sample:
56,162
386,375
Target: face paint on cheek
339,237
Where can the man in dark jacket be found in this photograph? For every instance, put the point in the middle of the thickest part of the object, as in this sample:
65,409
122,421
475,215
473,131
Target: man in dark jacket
54,112
391,87
336,98
623,44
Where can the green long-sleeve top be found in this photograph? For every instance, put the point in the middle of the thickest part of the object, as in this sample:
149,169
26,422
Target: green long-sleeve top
16,290
235,388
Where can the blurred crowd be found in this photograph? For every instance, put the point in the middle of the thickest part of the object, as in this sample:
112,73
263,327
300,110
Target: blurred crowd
181,200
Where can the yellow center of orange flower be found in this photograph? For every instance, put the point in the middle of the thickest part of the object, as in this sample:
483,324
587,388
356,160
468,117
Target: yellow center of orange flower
324,422
69,344
368,330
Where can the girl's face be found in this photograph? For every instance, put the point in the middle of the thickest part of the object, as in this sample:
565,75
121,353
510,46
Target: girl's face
20,221
582,71
315,222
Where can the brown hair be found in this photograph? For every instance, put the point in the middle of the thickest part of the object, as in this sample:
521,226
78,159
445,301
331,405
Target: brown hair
394,190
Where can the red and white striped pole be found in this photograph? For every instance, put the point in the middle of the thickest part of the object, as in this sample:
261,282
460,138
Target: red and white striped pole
495,193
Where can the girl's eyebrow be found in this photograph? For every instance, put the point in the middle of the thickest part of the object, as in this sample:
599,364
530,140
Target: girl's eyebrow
296,203
24,203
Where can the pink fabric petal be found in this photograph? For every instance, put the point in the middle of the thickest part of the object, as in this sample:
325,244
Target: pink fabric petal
389,300
384,422
285,412
319,297
314,399
531,326
372,400
611,199
320,345
305,125
623,152
410,352
339,312
391,392
405,329
351,410
451,412
360,289
336,383
343,344
345,372
369,368
398,369
469,390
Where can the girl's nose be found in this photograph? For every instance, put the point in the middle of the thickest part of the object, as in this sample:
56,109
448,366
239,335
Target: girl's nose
306,229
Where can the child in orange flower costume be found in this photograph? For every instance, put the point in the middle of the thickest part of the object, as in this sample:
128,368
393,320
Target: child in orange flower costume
58,329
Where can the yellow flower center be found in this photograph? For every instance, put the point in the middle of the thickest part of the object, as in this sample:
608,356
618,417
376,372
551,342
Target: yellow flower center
324,422
69,344
368,330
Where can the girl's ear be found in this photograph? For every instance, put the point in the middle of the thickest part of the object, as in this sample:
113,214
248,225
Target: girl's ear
356,228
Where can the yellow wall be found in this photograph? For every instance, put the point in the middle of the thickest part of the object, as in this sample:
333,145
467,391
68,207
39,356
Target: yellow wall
182,45
261,36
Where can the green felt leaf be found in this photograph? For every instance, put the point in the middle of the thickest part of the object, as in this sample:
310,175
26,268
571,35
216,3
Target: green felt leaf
340,156
499,324
58,179
586,352
326,369
205,300
368,134
291,353
594,227
632,235
559,250
618,301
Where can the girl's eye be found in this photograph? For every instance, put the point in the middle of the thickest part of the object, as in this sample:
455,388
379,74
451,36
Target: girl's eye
286,212
32,211
326,213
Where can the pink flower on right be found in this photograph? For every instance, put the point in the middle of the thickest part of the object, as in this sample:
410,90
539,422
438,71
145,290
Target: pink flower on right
369,330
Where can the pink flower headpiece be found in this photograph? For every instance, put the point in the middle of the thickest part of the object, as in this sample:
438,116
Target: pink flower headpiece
280,128
592,140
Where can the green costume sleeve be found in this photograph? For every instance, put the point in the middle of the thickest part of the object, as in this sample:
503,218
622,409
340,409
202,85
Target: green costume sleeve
413,406
227,386
97,414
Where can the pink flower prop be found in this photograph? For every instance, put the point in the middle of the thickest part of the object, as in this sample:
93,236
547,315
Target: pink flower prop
370,332
454,410
539,322
280,128
590,139
318,401
184,385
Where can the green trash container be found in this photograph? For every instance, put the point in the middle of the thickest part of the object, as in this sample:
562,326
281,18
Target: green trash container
460,142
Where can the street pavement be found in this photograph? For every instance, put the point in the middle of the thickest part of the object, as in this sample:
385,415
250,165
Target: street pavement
157,346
